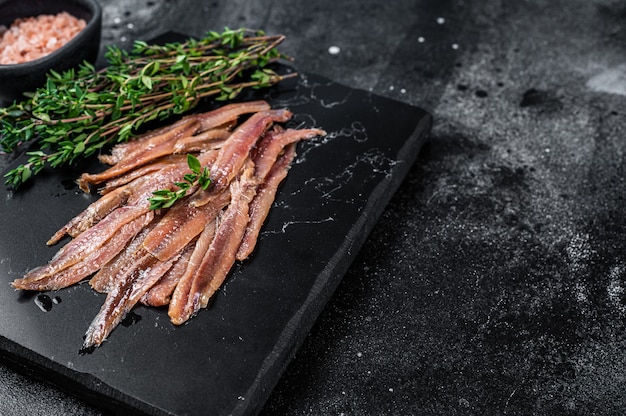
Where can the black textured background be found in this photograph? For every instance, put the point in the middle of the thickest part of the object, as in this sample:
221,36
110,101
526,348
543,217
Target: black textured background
495,281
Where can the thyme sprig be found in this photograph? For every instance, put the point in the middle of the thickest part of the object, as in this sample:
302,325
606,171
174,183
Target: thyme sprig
77,112
165,198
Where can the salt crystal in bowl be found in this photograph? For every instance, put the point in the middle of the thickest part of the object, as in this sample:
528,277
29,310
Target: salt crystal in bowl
18,78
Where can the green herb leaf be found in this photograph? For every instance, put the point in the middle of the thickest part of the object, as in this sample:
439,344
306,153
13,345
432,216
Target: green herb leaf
147,81
194,163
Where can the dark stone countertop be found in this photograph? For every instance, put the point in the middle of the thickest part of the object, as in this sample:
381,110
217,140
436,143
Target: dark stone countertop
495,281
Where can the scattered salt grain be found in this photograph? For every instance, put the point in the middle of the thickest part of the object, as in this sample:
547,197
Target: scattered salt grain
334,50
441,20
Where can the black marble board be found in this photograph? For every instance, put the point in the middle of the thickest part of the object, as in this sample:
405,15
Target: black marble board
227,359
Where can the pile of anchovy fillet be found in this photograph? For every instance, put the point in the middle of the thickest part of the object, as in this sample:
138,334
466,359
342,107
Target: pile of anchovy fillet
176,257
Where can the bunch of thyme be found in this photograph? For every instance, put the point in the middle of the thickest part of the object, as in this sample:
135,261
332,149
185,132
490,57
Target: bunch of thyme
79,111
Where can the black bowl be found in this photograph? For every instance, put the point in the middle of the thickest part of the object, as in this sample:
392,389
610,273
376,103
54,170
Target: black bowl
15,79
